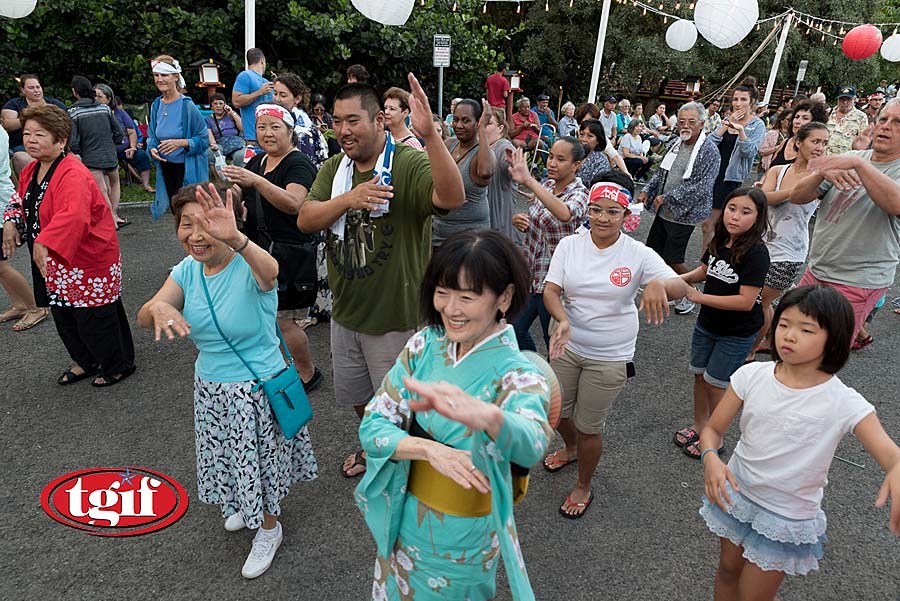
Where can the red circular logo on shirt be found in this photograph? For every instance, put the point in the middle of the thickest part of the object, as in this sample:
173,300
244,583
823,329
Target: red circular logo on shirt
621,276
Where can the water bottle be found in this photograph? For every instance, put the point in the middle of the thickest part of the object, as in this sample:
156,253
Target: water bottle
220,162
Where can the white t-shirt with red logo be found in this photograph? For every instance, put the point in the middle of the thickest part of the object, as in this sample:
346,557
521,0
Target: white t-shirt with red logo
599,288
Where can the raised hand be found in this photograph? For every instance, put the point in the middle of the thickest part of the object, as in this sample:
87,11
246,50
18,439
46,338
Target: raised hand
218,216
420,110
518,167
486,114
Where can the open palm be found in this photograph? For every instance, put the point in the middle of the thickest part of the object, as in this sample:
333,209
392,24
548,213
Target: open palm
420,109
218,214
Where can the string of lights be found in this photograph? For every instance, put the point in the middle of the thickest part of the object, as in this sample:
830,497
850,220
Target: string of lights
823,25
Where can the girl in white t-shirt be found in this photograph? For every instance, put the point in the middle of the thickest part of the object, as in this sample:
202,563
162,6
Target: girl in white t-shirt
765,505
589,290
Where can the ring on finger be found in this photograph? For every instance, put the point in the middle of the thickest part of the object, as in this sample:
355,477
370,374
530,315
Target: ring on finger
170,322
473,468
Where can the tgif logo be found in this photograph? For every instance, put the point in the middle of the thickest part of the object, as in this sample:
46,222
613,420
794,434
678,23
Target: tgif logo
115,501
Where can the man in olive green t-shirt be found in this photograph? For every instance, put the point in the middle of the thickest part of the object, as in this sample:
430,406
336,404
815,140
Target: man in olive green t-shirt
375,267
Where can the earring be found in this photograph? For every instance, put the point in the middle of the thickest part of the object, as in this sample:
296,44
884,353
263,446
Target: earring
502,318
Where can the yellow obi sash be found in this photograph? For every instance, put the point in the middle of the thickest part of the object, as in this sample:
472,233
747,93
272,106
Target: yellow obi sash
445,495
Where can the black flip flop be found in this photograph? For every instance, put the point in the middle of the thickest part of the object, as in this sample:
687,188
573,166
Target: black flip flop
113,380
70,377
358,459
314,382
123,223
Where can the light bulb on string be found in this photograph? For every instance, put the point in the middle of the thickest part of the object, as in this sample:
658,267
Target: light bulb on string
665,20
484,8
677,5
547,6
571,3
691,7
645,12
518,8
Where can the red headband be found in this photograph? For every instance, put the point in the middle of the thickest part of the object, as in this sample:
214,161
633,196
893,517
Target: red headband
610,191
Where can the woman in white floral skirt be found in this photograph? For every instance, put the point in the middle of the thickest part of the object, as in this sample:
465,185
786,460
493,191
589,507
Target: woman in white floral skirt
244,463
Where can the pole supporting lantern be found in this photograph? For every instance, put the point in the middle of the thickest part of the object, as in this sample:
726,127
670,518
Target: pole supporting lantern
598,54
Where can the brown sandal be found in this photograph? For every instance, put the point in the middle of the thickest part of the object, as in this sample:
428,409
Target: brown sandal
26,324
12,313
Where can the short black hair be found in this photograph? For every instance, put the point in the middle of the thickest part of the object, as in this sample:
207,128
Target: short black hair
367,95
595,127
615,176
254,55
831,311
476,107
489,260
817,110
82,86
577,147
501,66
217,96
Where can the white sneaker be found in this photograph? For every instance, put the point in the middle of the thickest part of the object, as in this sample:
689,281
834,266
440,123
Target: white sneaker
265,543
684,306
235,522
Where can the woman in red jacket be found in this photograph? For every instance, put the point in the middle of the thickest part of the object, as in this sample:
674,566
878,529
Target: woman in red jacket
71,235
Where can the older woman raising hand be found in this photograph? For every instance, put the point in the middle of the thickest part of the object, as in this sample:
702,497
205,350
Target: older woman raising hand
244,462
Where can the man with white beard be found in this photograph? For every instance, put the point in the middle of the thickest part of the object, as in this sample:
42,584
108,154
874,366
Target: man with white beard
681,191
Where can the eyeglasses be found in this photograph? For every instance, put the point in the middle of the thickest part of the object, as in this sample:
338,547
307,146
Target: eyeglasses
689,123
613,213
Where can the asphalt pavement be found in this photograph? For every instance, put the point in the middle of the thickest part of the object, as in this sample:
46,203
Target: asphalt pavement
640,540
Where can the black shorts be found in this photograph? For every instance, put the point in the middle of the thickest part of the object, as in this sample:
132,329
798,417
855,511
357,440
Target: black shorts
721,190
669,239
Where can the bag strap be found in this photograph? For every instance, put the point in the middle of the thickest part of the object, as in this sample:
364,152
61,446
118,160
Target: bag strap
284,347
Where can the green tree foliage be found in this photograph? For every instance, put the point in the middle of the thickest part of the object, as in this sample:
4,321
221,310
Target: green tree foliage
112,41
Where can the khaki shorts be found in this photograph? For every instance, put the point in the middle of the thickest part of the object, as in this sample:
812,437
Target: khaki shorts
589,389
361,361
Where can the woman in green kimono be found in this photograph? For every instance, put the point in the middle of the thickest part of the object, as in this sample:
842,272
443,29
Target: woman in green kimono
453,421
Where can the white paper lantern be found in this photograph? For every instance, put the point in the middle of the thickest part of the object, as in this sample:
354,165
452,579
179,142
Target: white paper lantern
16,9
681,35
395,12
890,50
724,23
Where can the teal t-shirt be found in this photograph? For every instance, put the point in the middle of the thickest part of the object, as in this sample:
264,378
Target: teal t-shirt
245,313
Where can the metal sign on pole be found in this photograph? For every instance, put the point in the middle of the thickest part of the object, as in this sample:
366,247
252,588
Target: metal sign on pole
441,59
801,74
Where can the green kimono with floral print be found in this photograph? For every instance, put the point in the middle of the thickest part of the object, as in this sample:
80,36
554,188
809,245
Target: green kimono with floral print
424,554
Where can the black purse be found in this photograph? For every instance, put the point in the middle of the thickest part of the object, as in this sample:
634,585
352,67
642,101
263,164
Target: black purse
298,275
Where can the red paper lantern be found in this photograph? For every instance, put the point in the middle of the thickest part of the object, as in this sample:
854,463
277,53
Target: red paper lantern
861,42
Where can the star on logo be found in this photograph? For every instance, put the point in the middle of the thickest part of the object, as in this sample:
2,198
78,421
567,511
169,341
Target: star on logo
128,476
